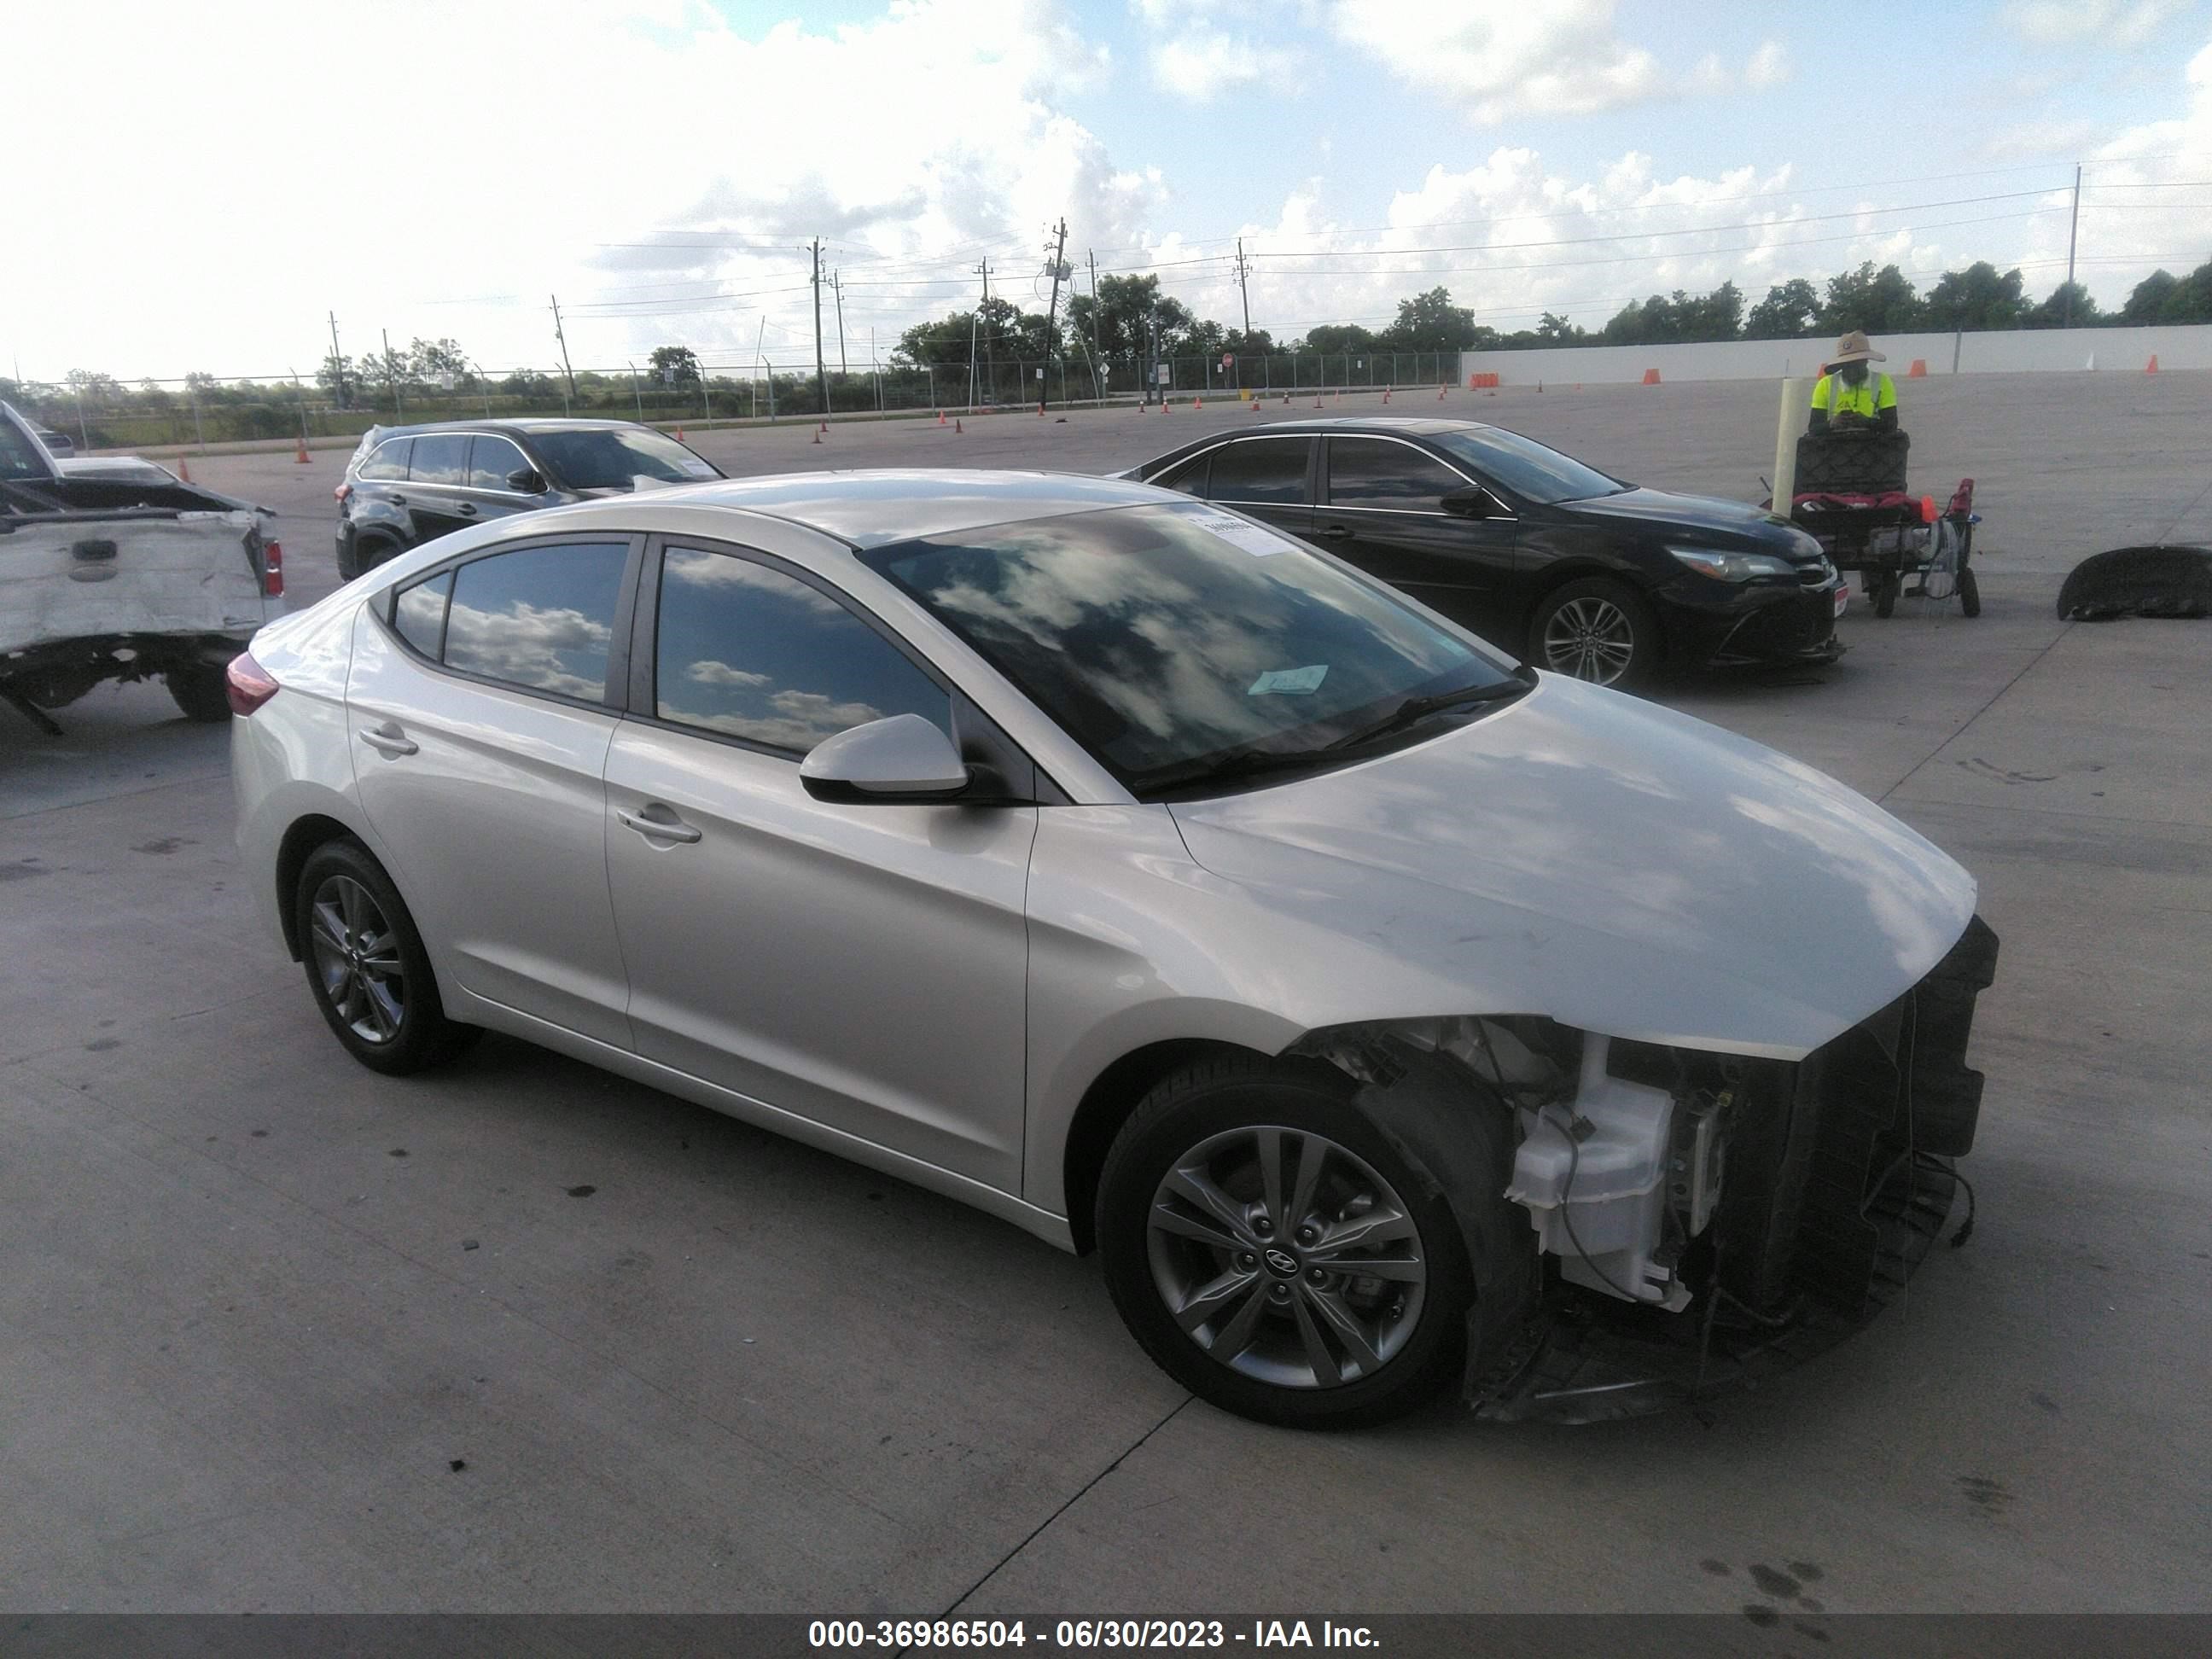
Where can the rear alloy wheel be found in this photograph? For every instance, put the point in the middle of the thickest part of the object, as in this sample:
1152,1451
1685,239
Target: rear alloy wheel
366,965
200,691
1598,630
1276,1254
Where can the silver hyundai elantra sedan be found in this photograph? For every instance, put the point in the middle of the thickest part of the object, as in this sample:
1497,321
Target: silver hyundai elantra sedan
1386,1015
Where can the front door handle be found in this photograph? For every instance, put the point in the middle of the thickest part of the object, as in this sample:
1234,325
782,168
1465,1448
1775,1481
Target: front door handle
1337,532
397,501
388,739
659,829
466,509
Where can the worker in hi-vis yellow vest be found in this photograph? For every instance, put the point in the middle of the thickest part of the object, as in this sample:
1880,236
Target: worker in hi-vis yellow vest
1850,395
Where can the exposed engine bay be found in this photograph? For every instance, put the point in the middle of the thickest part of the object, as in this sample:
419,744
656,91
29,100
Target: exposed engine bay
1665,1224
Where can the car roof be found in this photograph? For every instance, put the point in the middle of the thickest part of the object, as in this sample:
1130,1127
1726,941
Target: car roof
1399,423
871,508
509,424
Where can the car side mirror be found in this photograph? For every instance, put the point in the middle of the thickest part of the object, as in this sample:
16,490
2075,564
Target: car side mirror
1468,501
526,481
902,758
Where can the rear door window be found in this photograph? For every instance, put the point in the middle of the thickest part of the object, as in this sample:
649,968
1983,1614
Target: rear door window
1189,477
1377,472
492,459
390,461
1270,470
539,617
748,651
440,458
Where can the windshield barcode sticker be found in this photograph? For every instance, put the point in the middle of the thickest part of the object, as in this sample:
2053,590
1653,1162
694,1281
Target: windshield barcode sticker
1300,680
1237,533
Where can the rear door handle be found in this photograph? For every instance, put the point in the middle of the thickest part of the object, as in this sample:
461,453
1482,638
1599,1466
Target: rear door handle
668,828
387,739
466,509
397,501
1337,532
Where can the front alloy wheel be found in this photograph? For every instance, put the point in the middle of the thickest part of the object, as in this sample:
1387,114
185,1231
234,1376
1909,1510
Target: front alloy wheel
1286,1257
1278,1254
366,965
1599,631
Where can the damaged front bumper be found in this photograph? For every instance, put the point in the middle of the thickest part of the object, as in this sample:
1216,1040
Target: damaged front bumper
1838,1179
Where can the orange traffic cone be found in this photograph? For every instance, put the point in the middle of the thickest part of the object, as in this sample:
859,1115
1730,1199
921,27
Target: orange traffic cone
1198,402
958,428
2151,368
1918,371
184,471
1386,394
818,432
1440,394
1316,400
940,417
679,435
1651,377
1256,404
302,456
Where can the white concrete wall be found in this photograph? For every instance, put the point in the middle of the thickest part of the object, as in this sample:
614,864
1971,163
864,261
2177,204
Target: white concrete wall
1996,352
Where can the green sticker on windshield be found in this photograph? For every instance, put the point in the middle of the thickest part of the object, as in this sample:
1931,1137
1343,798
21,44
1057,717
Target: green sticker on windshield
1300,680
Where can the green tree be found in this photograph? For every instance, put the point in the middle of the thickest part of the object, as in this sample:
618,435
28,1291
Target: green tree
2053,312
1554,329
1789,310
1429,322
2149,296
1877,301
338,377
435,363
675,365
2163,297
1122,317
1975,298
1330,339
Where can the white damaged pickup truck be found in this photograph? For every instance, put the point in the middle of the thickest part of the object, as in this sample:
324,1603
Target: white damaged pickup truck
122,579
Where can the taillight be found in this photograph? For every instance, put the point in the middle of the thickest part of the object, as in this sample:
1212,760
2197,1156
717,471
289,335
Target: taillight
272,569
248,684
342,493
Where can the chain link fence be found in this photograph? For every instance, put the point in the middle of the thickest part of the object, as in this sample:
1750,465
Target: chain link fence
108,414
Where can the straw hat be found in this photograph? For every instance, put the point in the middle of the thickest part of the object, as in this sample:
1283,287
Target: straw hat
1853,348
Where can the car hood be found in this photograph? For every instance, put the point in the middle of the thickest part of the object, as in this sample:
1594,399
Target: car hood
1707,519
1617,866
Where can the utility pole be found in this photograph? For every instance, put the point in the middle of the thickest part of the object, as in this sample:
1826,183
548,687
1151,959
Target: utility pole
2073,225
563,338
991,372
1093,257
1244,270
391,380
838,287
338,362
821,369
1052,310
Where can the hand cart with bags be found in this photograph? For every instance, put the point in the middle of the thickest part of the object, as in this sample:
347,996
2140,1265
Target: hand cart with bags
1851,494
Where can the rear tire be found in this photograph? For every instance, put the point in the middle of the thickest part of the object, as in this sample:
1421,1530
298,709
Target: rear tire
1249,1292
1598,630
1886,584
369,552
200,691
366,967
1969,593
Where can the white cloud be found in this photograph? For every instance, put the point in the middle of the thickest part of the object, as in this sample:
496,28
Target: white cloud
1193,58
2120,23
1508,57
720,673
1769,66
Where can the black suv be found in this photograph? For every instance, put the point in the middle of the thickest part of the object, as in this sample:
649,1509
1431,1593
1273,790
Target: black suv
1539,553
408,484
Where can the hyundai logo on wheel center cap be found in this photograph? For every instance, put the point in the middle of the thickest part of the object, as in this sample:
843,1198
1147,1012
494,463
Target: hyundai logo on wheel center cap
1283,1262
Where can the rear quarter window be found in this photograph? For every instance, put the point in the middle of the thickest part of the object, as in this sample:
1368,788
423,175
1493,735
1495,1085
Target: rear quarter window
389,460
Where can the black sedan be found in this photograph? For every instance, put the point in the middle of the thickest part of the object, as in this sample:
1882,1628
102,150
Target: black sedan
1549,558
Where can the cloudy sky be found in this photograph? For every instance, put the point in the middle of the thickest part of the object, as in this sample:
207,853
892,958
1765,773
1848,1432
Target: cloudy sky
196,186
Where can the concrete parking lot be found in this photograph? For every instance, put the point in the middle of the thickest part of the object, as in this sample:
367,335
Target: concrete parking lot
278,1334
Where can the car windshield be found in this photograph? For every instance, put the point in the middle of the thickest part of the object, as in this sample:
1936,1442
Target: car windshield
1183,645
609,456
1526,467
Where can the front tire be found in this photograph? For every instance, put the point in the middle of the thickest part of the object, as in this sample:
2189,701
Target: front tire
366,967
1598,630
1276,1254
200,691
